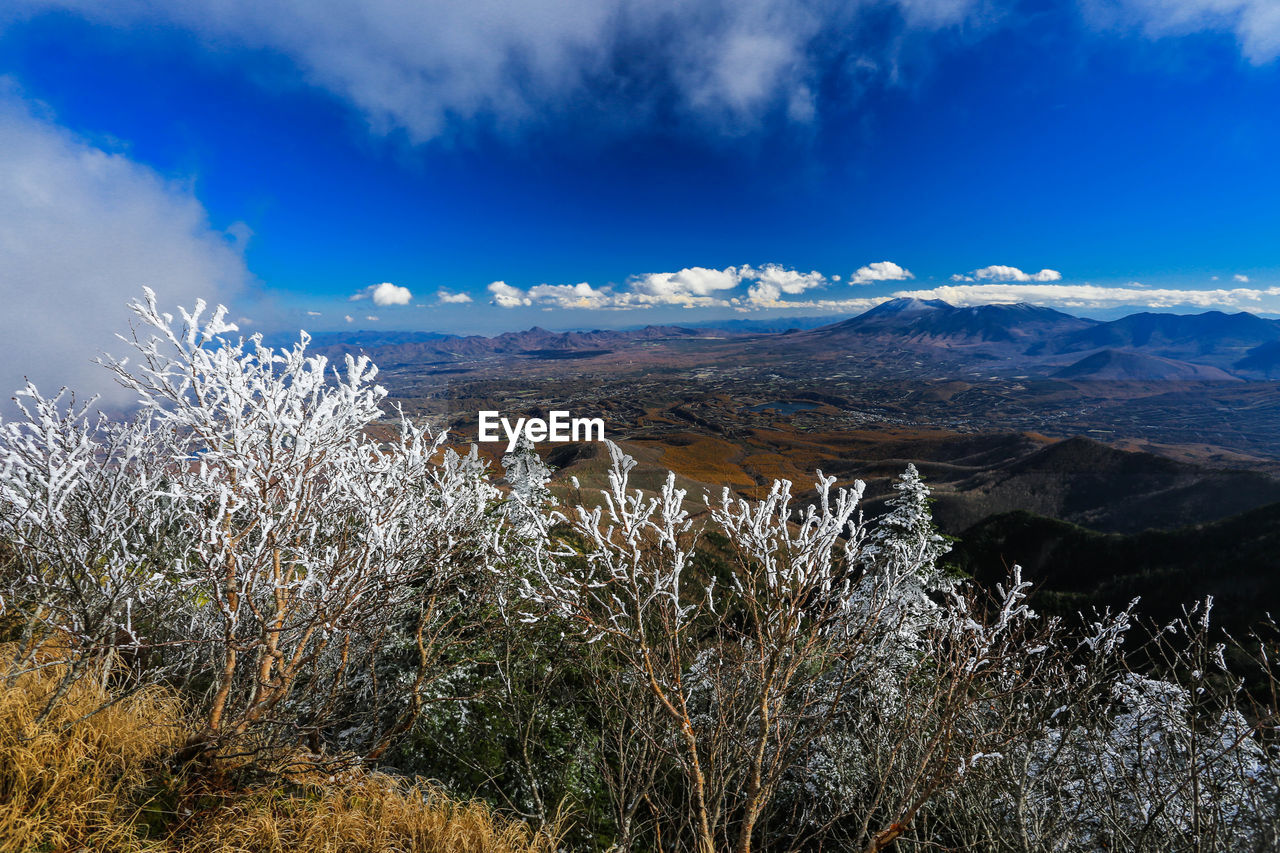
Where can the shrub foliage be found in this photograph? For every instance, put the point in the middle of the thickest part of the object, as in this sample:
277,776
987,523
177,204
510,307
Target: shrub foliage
315,590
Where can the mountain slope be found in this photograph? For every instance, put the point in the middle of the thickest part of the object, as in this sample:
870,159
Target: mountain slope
1113,364
1261,362
1074,568
935,321
1209,338
1088,483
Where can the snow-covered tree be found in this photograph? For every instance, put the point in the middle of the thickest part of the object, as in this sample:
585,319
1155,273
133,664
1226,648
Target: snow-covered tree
529,498
905,538
792,656
85,522
311,570
780,674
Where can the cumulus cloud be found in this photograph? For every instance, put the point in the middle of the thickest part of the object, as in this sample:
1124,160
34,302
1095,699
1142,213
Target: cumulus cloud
703,287
1243,279
581,295
385,294
82,230
372,318
444,297
774,280
1087,296
845,306
1255,23
880,271
506,296
419,66
999,272
689,286
348,318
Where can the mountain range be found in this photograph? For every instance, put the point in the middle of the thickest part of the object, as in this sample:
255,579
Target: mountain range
1020,338
935,321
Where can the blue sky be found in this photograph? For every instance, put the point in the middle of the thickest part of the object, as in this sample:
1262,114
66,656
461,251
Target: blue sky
613,162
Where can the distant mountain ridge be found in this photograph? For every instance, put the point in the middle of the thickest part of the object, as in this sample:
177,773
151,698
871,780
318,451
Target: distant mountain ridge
1148,346
1212,337
935,320
1110,364
534,340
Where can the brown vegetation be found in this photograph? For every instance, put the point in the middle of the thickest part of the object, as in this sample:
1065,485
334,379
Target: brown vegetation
98,774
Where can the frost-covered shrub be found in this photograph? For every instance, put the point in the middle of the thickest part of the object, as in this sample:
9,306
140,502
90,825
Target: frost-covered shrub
778,674
528,499
829,683
298,573
90,538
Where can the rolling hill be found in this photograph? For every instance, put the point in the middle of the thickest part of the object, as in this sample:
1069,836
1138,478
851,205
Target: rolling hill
1074,568
1261,362
1088,483
1110,364
1213,338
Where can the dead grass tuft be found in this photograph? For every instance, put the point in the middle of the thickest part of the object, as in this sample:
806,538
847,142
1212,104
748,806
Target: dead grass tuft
370,813
93,776
69,782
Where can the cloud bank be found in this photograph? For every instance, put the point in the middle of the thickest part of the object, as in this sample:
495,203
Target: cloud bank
1085,296
1255,23
423,66
772,286
691,287
82,230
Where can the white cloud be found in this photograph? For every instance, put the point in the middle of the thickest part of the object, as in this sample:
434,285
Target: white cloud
421,65
880,271
1243,279
444,297
581,295
314,314
82,230
1085,296
506,296
784,280
385,295
348,318
549,296
773,280
372,318
846,306
1255,23
692,286
999,272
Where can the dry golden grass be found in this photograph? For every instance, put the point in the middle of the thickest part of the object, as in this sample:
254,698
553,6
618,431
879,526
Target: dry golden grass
707,460
93,777
370,812
68,782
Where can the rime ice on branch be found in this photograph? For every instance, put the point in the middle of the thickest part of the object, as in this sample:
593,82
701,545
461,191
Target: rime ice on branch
793,674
